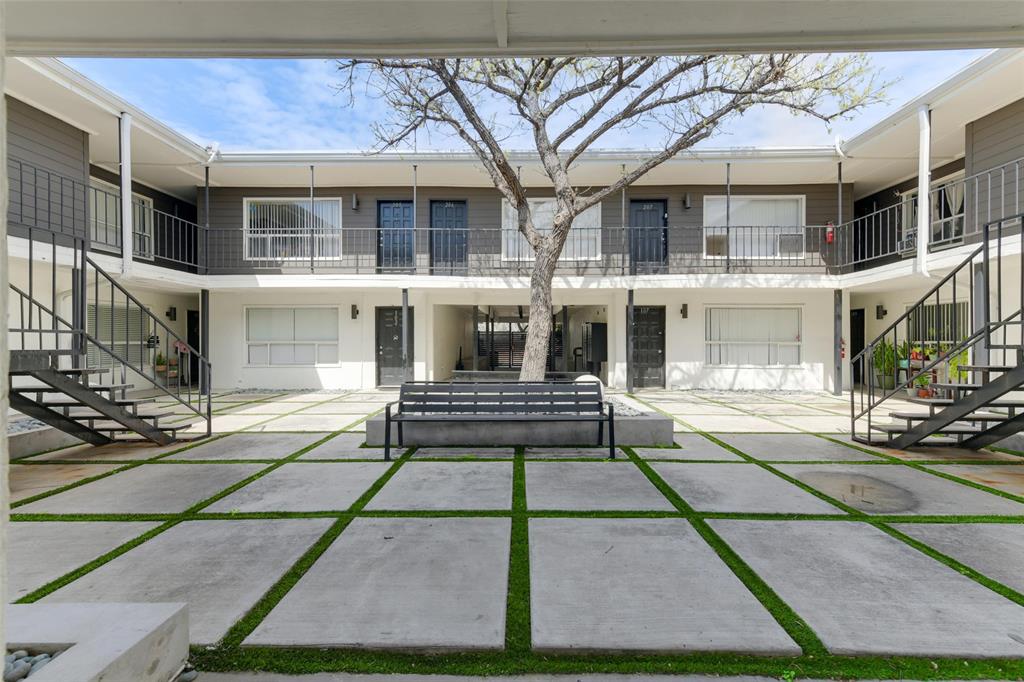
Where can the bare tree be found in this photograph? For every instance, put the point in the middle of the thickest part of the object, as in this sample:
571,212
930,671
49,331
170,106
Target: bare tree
568,104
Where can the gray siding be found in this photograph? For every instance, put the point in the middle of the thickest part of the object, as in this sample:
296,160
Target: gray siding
162,201
225,250
995,139
890,196
48,170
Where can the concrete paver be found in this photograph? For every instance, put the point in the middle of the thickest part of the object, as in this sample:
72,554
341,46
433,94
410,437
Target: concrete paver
679,595
739,488
896,489
304,487
150,488
592,486
795,446
447,485
221,568
1007,478
994,549
865,592
29,480
40,552
407,583
251,446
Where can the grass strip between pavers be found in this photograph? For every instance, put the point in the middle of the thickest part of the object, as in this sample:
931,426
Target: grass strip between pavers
795,626
518,633
245,625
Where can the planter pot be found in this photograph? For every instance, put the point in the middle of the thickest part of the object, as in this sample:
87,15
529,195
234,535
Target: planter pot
885,382
161,368
924,393
911,392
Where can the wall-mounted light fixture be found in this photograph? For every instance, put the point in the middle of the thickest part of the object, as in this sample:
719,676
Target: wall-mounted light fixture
172,313
880,312
684,312
355,201
355,311
687,204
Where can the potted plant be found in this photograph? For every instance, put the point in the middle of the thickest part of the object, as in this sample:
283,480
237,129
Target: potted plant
923,383
884,359
160,362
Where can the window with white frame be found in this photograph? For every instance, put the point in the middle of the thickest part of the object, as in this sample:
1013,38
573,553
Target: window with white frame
105,218
753,336
291,336
759,226
284,228
582,243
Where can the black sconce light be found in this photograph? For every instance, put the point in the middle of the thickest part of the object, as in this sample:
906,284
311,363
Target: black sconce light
880,312
684,312
686,201
355,201
355,311
172,313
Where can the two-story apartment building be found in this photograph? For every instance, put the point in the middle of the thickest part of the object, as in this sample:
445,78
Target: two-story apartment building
731,268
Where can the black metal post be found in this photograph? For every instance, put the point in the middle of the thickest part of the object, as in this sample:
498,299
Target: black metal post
405,334
728,216
312,222
837,332
204,335
629,341
476,337
565,337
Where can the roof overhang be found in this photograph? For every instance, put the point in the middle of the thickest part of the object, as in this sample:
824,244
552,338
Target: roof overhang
260,28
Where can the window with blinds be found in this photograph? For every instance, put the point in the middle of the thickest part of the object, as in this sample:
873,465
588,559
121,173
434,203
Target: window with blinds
291,336
284,229
753,336
943,323
759,227
582,243
123,330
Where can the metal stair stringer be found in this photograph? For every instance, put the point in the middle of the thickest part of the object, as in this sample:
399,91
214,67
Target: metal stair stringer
57,420
89,398
963,406
994,434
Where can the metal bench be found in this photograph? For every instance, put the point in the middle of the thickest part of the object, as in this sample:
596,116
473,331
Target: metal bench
525,401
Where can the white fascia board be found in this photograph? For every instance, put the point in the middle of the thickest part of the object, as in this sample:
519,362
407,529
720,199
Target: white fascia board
59,72
935,96
305,158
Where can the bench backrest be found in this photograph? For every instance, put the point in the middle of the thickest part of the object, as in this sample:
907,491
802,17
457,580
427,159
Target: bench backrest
542,397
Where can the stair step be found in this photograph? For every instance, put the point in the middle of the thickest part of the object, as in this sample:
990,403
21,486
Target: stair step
988,368
86,413
115,427
944,402
903,428
973,417
121,402
70,371
51,389
957,387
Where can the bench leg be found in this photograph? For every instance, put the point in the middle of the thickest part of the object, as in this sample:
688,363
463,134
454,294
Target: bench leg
600,433
387,434
611,432
401,436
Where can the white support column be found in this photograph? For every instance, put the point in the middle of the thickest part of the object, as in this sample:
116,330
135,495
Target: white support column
924,162
125,172
5,495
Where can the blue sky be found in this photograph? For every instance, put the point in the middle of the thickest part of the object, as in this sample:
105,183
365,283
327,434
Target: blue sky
273,104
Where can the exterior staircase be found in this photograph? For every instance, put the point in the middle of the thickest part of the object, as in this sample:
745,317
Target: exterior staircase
950,369
63,375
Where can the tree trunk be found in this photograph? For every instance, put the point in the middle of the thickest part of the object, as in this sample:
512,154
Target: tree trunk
538,335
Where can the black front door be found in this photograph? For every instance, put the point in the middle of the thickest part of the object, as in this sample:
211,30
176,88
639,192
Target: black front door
395,237
449,231
649,346
648,235
856,340
193,339
391,371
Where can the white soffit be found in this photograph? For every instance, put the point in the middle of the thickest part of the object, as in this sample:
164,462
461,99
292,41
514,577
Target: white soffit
492,27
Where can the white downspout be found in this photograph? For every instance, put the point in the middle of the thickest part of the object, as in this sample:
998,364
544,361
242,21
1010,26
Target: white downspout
125,172
924,148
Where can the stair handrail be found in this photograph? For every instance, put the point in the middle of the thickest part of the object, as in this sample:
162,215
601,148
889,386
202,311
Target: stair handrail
181,348
982,331
86,336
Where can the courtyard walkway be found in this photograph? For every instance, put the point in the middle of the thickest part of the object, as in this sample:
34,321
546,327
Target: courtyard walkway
764,532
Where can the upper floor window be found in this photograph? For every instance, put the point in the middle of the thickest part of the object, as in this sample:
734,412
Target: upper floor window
759,226
583,242
291,336
105,218
284,228
752,336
